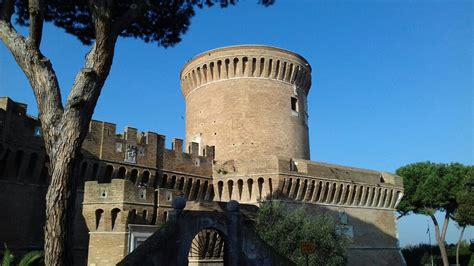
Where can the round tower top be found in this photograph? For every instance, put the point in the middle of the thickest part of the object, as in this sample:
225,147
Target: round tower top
245,61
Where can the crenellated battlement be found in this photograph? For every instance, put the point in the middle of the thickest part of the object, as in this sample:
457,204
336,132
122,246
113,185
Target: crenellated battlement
253,61
103,142
195,161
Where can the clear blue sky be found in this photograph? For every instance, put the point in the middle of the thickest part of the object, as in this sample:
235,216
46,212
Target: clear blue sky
392,80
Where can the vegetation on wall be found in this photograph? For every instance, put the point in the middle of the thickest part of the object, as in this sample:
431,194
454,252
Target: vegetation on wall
285,229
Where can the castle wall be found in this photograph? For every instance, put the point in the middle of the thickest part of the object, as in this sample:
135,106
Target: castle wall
106,249
248,101
373,233
22,217
246,140
108,209
23,184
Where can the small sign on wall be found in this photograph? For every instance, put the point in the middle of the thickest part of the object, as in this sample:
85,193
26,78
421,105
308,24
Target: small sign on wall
131,154
308,248
118,147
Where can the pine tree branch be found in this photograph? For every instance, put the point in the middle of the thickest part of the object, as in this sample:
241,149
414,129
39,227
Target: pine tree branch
134,11
445,226
7,8
89,81
42,78
36,10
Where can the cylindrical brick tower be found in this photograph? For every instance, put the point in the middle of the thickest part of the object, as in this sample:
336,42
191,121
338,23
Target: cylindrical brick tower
248,101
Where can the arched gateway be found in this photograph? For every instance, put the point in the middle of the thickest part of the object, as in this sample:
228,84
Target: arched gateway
204,238
207,248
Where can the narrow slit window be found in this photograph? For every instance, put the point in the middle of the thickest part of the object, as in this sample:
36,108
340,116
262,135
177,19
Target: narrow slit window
294,104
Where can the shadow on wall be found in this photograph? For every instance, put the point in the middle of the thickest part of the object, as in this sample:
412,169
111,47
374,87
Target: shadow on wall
24,180
371,246
172,243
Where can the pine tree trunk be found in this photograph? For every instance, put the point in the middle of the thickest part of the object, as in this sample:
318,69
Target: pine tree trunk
56,211
440,240
60,203
458,245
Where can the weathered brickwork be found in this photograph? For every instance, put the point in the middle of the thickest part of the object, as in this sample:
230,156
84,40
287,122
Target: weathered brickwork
246,140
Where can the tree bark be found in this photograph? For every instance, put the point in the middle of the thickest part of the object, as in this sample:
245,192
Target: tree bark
458,245
440,238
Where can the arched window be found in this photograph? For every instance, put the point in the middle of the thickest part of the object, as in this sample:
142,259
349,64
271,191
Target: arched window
173,182
30,171
95,171
144,215
371,199
3,163
114,214
250,187
366,197
389,197
133,176
98,217
297,188
82,174
333,193
353,198
270,187
303,190
195,191
346,194
204,190
230,187
121,173
108,174
290,184
132,216
377,199
164,181
260,187
44,178
318,192
382,199
311,190
145,178
220,186
325,194
164,218
211,192
17,164
181,183
188,188
208,248
240,187
339,194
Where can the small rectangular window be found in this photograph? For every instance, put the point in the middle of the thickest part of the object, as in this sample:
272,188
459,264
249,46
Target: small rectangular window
294,104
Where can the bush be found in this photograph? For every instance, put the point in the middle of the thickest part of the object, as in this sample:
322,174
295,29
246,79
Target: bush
284,229
421,254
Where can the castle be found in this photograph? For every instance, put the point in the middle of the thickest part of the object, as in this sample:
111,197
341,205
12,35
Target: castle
246,140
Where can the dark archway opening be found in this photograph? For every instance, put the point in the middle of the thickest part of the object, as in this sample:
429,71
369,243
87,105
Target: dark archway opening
207,248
